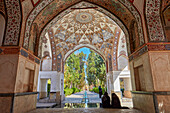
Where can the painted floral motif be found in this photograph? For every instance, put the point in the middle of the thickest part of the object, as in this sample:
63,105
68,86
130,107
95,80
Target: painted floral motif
13,24
153,20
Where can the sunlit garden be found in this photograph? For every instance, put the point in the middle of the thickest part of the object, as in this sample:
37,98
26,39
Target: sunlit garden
84,70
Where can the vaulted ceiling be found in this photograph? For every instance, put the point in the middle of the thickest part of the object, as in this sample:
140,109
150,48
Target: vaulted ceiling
85,26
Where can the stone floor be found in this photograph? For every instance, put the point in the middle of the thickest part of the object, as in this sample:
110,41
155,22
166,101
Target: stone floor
77,97
84,110
46,105
94,98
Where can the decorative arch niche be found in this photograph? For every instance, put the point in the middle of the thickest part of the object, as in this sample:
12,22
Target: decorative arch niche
2,28
166,22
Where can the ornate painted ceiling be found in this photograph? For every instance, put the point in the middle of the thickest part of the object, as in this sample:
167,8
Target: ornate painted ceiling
85,26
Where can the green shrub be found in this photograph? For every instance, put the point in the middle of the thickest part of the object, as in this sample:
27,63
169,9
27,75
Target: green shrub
91,90
104,90
68,91
96,90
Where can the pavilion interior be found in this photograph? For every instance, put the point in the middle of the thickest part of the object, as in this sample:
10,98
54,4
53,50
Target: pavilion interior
131,36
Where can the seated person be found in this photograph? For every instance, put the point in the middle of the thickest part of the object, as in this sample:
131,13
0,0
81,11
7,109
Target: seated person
106,100
115,101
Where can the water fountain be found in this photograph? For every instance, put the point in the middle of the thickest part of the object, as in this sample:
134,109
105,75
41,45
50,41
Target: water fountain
85,99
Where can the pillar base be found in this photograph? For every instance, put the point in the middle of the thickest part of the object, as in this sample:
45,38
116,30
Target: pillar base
42,95
127,94
6,102
151,102
18,102
55,97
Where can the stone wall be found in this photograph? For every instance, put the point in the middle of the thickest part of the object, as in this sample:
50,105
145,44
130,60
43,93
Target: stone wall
143,102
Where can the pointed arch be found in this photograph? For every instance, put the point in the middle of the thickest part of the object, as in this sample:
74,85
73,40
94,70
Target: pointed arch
113,8
2,28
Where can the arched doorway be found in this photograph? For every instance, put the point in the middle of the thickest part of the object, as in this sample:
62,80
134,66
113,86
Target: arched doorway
148,76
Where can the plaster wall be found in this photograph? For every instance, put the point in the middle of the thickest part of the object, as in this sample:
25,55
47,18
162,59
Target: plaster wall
25,70
8,70
127,84
122,62
8,102
55,79
43,88
25,103
160,63
128,87
116,81
143,61
143,102
163,103
47,64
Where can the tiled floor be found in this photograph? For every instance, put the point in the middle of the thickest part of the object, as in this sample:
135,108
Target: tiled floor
84,110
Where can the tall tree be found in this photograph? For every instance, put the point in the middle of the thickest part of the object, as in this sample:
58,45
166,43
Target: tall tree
74,71
101,69
96,69
91,70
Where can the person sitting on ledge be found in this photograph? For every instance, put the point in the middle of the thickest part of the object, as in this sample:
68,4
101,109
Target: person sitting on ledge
106,100
115,101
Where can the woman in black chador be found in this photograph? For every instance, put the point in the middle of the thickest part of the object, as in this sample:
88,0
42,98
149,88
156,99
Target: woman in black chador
115,101
106,100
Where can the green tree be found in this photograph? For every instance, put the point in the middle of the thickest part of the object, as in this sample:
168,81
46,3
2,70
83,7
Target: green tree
91,70
74,71
101,70
96,70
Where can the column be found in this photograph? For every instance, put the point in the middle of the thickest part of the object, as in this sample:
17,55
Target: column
108,83
127,86
43,88
18,80
55,88
116,81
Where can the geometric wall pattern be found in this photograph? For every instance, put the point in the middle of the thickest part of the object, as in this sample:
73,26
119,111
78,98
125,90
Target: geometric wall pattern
84,26
115,5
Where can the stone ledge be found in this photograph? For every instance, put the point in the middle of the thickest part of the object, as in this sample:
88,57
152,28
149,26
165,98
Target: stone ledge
16,94
25,93
151,93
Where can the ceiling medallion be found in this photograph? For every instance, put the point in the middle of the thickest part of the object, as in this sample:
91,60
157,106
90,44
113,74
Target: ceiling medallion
84,17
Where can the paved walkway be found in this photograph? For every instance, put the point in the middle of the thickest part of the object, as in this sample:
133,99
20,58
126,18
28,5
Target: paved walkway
77,97
84,110
75,100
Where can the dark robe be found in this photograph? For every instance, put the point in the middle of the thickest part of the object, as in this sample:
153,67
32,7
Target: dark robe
115,101
106,101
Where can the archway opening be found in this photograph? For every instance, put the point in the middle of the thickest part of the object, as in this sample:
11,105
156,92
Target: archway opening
84,72
85,28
